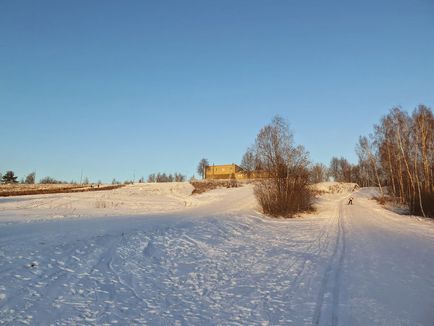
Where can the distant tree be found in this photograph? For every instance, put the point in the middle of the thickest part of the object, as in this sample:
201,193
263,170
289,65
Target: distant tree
248,162
367,157
86,181
50,180
340,170
30,179
318,173
142,180
334,171
9,177
179,177
400,155
163,177
115,182
152,178
201,168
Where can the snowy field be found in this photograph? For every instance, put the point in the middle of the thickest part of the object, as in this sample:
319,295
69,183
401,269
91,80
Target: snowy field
154,254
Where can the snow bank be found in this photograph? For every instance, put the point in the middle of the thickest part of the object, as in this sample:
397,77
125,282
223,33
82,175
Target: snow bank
335,187
137,199
368,192
130,200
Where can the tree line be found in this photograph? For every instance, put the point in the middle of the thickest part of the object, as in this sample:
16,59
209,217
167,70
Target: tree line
398,158
399,154
10,178
163,177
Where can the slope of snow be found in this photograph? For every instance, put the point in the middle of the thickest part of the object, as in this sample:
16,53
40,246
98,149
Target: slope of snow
335,187
130,200
214,260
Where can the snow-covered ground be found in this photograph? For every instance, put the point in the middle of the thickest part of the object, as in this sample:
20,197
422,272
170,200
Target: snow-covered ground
154,254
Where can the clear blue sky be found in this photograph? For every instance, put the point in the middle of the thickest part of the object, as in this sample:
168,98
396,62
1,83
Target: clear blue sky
113,87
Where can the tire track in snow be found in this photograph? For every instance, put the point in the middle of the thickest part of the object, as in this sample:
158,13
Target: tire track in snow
327,305
336,288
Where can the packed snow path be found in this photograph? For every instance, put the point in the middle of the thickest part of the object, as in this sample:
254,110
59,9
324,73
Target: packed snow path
220,263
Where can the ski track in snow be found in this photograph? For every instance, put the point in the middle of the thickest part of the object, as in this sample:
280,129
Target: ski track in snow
195,274
217,262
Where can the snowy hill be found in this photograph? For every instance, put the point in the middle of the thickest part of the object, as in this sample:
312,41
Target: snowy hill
137,199
154,254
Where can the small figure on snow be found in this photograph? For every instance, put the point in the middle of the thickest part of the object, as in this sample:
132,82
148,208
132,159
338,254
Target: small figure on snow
350,201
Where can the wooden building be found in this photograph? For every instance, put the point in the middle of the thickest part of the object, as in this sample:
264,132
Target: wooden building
226,171
232,171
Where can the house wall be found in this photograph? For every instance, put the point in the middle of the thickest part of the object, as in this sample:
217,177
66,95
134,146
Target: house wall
232,171
221,171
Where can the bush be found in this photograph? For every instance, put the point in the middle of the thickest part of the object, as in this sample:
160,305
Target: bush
207,185
283,197
286,192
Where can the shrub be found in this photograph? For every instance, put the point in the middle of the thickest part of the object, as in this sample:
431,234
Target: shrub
283,197
207,185
286,192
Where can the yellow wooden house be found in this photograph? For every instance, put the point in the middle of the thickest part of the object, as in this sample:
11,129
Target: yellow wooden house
232,171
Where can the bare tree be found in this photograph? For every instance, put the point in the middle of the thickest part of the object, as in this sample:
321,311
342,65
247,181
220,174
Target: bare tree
423,120
179,177
285,192
152,178
248,162
201,168
403,150
50,180
318,173
30,179
163,177
365,150
340,170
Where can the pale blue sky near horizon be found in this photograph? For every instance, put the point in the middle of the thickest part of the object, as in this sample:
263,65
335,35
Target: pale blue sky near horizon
123,88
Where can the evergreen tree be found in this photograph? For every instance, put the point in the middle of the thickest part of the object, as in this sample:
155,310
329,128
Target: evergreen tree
9,177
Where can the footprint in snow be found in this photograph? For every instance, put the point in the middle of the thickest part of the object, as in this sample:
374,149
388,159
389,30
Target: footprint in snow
33,264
